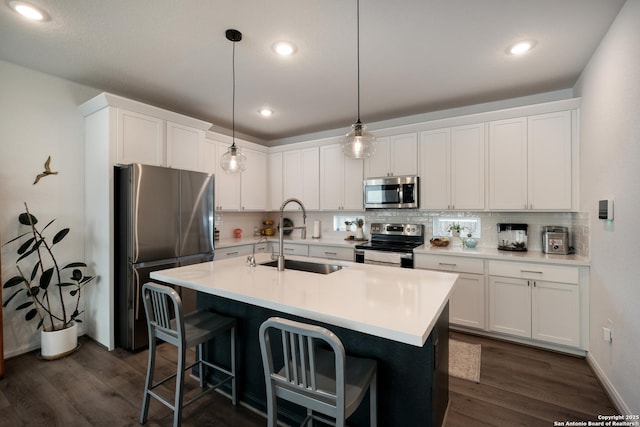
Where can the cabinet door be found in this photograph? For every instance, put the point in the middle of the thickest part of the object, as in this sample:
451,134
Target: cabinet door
379,164
292,176
311,178
209,156
227,184
332,177
352,189
508,164
140,139
253,181
184,147
549,149
275,181
468,301
556,313
467,171
510,306
435,169
404,154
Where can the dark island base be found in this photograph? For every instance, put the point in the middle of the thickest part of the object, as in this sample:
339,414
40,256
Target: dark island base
413,382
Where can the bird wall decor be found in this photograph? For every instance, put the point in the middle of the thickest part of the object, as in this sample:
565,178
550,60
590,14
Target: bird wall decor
46,172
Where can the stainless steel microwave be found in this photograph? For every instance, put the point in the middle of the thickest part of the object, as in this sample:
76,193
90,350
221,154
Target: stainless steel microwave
391,192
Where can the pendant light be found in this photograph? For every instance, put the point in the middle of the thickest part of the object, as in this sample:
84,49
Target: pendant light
233,161
358,143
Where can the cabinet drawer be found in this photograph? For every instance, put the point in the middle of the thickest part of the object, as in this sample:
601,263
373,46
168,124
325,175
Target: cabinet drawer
292,249
331,252
231,252
449,263
531,271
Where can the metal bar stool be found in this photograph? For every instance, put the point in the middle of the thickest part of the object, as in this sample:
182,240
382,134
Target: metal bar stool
323,380
166,321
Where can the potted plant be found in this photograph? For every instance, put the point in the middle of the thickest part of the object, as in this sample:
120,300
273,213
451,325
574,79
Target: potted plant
43,287
455,229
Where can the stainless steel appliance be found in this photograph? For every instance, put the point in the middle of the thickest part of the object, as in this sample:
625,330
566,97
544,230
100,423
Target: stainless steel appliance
512,237
164,219
391,244
556,240
391,192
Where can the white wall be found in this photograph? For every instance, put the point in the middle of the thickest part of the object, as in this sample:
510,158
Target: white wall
39,118
610,165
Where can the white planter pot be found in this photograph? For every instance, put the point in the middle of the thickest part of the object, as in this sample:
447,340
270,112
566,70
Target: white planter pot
57,344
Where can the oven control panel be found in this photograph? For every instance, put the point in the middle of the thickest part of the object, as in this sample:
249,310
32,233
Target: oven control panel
396,229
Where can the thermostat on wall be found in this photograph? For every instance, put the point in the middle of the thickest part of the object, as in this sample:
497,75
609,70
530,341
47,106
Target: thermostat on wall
605,209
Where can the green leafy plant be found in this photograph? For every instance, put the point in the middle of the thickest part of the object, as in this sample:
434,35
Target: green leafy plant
359,222
455,227
33,292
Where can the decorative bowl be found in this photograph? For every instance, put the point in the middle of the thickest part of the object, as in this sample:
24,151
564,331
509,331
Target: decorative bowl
439,241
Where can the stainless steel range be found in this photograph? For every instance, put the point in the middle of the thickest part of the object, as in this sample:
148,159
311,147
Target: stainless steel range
391,244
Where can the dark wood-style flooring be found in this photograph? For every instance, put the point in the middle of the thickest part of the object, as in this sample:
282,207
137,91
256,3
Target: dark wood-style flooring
519,386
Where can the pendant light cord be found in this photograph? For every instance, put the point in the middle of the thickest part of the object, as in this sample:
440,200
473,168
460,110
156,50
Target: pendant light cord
358,53
233,96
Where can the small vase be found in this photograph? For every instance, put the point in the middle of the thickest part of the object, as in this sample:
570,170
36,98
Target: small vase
60,343
470,242
359,233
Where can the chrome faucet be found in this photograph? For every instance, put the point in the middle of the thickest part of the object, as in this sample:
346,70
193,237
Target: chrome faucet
281,227
251,260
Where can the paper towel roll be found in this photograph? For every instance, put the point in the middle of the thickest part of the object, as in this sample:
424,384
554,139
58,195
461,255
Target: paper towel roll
316,229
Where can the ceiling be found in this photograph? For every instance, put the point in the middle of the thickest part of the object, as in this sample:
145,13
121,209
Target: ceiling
416,56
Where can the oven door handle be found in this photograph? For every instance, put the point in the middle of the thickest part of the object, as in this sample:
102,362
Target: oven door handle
393,264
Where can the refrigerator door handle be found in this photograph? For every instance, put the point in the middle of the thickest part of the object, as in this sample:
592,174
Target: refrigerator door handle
136,298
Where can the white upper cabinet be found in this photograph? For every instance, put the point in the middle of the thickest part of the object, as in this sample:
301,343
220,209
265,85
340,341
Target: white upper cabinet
394,156
301,177
227,185
550,170
275,181
530,163
184,147
141,138
467,167
508,164
253,181
340,180
452,168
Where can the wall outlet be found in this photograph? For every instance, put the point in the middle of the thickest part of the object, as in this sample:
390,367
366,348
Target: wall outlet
606,334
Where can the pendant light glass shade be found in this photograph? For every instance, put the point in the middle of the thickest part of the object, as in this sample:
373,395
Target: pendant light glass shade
233,160
358,144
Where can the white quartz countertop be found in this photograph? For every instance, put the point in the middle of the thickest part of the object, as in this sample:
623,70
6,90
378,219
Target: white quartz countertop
393,303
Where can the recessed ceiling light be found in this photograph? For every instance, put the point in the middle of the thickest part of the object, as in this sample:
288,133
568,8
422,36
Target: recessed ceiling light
521,48
284,48
265,112
28,11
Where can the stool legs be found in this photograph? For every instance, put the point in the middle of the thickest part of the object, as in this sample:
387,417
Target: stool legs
148,381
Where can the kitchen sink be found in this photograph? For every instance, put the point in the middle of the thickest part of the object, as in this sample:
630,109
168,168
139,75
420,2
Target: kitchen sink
310,267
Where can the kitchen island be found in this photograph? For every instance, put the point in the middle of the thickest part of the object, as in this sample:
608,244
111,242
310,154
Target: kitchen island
397,316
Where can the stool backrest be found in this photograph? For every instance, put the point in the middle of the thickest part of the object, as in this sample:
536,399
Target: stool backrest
163,308
295,377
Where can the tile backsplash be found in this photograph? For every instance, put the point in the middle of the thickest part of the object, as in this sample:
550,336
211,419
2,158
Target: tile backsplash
577,223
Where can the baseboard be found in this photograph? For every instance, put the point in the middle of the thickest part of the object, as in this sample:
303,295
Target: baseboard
611,391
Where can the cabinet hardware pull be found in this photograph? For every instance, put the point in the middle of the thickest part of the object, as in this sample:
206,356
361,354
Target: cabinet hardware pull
232,253
330,253
531,271
447,263
289,249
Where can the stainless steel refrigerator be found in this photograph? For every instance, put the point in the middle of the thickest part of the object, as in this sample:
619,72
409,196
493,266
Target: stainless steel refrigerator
164,219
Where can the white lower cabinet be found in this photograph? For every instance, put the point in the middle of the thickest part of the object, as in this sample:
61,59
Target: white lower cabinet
240,250
291,249
331,252
542,303
467,302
